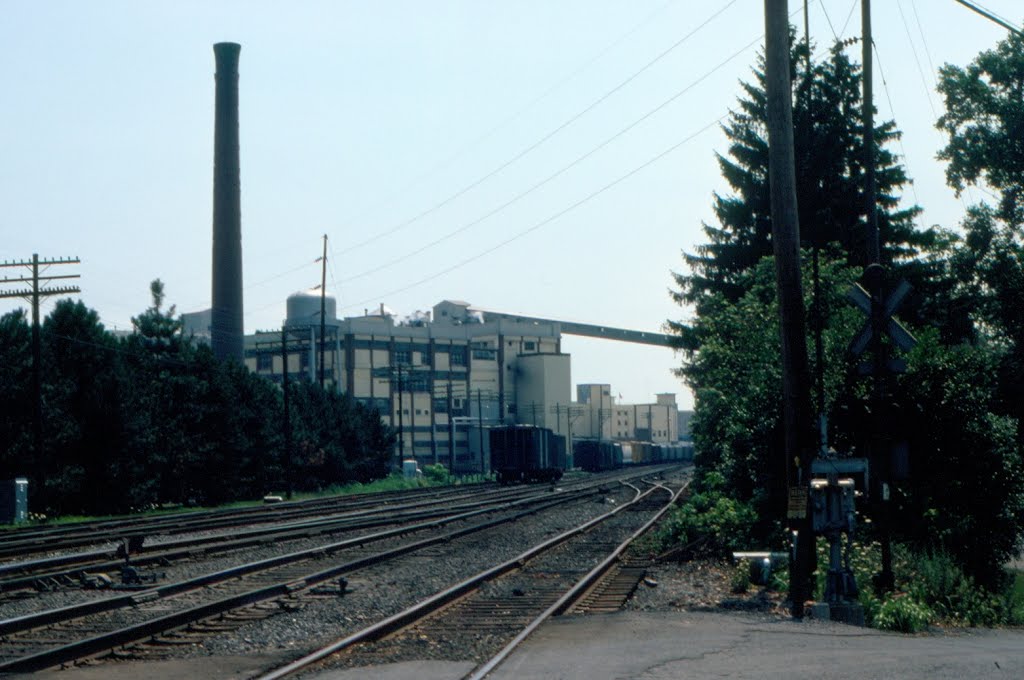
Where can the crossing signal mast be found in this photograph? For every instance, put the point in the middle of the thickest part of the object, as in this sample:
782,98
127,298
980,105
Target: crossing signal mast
39,289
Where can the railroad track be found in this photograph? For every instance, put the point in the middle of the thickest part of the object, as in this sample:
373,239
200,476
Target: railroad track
56,637
69,570
499,607
18,543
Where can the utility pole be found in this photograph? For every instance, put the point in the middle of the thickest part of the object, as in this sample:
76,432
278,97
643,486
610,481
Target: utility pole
451,427
796,405
323,309
874,276
480,423
33,295
288,472
401,434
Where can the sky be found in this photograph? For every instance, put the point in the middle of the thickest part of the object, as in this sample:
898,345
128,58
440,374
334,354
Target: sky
552,158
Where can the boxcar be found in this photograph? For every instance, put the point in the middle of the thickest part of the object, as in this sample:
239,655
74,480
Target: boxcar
595,456
525,453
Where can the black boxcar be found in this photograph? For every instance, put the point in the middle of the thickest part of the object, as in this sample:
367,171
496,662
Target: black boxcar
525,453
595,456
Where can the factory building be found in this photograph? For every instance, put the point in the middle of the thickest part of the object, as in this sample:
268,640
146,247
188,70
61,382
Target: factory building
599,416
442,377
439,378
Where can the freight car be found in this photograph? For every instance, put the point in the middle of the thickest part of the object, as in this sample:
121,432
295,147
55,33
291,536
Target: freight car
595,456
644,453
524,453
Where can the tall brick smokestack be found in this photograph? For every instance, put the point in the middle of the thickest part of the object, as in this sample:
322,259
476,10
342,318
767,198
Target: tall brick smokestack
226,314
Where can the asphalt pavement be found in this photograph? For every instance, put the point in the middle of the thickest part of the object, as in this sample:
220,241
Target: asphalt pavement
663,645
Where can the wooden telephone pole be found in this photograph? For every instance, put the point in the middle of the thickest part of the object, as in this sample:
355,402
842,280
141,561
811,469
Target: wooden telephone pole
33,295
796,399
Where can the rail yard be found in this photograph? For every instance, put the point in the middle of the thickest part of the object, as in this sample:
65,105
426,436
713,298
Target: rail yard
456,571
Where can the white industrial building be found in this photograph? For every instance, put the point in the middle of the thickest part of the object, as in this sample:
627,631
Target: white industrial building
441,378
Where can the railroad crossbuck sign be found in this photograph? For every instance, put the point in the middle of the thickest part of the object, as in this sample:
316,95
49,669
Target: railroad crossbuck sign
900,336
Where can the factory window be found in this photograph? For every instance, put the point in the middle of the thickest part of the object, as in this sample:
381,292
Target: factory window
264,362
402,356
425,357
457,356
303,360
529,346
440,405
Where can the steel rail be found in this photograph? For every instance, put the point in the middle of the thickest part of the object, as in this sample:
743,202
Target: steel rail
17,544
574,593
22,541
70,566
38,619
420,610
102,560
99,643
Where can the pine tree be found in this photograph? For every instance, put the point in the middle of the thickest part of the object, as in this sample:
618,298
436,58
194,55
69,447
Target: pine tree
828,133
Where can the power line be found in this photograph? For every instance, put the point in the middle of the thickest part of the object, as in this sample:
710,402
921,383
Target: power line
849,15
549,219
557,173
899,138
917,60
572,119
522,153
924,40
990,15
508,120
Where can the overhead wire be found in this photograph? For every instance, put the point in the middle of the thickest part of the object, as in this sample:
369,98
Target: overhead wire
526,151
849,15
557,173
899,138
514,116
917,60
547,220
537,144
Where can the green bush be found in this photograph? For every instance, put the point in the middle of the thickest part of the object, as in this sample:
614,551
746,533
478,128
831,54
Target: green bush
1014,599
938,582
710,525
740,580
903,614
436,473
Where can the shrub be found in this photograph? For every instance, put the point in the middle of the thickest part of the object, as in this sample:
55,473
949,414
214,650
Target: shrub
938,582
740,580
903,614
436,473
709,524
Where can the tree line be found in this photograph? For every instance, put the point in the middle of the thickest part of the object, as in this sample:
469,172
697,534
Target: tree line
958,409
153,418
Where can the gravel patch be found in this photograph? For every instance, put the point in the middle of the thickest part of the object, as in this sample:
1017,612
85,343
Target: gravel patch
701,586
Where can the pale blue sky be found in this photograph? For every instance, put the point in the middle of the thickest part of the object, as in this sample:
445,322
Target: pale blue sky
357,117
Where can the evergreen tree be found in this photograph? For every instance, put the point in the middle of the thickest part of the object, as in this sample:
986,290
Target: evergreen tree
160,331
828,148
